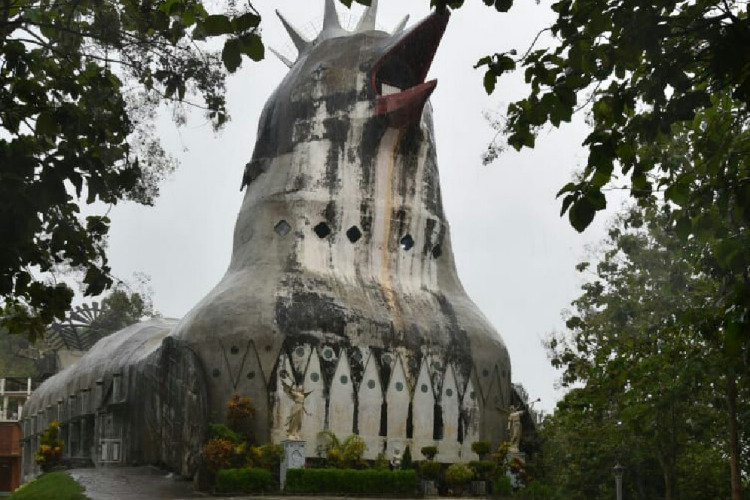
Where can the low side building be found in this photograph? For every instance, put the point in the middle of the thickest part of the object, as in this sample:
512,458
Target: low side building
10,457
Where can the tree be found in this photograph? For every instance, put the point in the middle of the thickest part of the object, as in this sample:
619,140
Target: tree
119,310
80,83
651,75
640,343
646,68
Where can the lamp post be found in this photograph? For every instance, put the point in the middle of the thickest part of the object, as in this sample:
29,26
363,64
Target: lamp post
618,469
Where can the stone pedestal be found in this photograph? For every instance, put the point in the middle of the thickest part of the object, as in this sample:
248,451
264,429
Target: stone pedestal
511,456
479,488
429,489
294,458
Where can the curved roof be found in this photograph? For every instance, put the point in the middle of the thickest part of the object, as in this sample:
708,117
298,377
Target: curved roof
109,355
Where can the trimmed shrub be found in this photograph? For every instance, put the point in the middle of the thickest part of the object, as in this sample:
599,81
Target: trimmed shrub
483,469
221,431
346,454
218,454
481,448
429,452
537,491
381,463
243,481
430,470
502,486
351,482
239,415
458,475
406,461
267,456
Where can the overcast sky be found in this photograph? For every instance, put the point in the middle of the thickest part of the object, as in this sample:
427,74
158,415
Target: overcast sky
514,254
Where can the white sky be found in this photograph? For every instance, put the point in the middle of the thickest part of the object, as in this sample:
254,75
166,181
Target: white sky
514,254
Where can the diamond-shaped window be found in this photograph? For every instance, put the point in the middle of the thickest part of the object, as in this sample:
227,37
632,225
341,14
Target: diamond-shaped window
322,230
407,242
282,228
354,234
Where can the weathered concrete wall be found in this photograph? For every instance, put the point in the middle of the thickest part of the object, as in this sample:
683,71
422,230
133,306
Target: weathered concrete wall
342,278
137,397
341,249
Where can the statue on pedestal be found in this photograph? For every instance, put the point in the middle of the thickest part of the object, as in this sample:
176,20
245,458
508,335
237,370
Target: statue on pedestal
514,427
294,422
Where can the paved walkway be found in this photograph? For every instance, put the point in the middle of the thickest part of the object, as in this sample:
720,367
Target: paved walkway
133,483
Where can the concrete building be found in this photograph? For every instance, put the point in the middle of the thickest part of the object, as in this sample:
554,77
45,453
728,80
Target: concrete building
342,281
14,392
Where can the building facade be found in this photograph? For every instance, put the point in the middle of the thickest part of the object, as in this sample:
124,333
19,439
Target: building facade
14,392
342,282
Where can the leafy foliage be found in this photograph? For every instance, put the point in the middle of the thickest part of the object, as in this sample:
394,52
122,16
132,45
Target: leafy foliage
80,83
647,68
246,480
429,452
267,456
221,431
120,309
346,454
430,470
667,87
651,374
458,475
481,448
218,453
351,482
50,447
239,415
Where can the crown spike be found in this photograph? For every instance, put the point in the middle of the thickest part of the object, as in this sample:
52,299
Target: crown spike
281,57
367,23
400,26
331,18
299,41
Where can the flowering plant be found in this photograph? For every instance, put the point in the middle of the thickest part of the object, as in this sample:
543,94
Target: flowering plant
50,447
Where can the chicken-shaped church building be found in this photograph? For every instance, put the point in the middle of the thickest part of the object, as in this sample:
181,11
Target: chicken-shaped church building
342,280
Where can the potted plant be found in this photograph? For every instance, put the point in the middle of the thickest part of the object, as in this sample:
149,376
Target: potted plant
429,471
457,476
483,472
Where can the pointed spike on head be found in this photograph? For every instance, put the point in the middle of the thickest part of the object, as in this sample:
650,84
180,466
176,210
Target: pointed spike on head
367,23
400,26
299,41
331,17
281,57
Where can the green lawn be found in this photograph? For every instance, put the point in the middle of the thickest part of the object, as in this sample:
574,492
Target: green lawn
52,486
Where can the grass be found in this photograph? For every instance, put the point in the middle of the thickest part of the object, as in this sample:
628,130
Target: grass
52,486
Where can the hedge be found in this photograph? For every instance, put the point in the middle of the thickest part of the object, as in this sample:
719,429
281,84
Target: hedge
351,482
248,480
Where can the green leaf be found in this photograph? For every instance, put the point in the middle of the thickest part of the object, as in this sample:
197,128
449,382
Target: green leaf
486,60
217,25
252,46
566,203
678,193
232,54
46,124
246,22
503,5
490,80
567,188
581,214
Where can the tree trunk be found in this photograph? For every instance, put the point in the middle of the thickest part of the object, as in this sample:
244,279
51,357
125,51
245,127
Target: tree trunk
669,485
734,442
